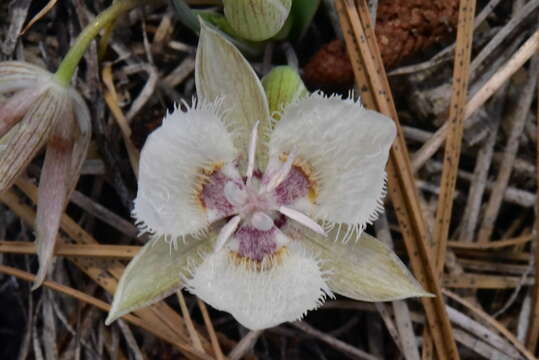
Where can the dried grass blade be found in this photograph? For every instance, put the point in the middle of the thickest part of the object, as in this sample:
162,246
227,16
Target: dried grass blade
105,215
245,345
130,340
79,295
17,15
49,332
461,75
493,245
211,331
370,75
532,336
502,181
39,15
193,334
406,336
486,318
95,269
333,342
479,179
82,250
406,331
391,327
483,333
479,347
520,57
161,317
111,98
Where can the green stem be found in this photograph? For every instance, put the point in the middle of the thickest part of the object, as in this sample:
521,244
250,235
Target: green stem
70,62
186,16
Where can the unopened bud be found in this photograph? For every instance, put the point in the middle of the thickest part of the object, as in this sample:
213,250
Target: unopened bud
257,20
282,85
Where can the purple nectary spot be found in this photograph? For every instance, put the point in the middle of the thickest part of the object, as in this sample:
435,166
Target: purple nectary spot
254,243
280,221
295,186
213,194
257,174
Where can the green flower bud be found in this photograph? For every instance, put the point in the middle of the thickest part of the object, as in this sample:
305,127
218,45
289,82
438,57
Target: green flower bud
249,48
257,20
282,85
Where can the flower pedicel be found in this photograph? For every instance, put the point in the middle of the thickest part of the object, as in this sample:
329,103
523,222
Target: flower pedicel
261,218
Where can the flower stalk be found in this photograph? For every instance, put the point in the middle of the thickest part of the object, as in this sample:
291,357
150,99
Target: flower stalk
70,62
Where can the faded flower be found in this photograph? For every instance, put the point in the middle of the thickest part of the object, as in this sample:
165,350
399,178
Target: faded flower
265,217
37,111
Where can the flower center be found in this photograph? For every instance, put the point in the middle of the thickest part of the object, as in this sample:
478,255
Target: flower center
257,204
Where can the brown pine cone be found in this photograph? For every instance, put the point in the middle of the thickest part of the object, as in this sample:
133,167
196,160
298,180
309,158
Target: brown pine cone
403,28
330,68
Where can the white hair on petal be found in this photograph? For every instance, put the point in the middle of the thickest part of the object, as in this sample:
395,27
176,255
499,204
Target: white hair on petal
347,147
261,295
170,169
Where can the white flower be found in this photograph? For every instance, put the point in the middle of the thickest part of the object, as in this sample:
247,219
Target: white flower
40,111
266,218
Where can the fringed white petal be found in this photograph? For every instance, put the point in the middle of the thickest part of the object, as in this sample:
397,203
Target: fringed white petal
260,299
346,146
171,165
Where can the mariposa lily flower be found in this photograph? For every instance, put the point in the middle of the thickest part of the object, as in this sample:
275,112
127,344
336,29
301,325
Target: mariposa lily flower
39,111
265,218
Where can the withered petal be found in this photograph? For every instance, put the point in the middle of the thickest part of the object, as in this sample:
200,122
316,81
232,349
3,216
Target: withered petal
53,186
26,138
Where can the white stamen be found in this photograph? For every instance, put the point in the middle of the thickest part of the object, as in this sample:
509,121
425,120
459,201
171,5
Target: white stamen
226,232
279,176
302,219
234,194
281,239
261,221
252,151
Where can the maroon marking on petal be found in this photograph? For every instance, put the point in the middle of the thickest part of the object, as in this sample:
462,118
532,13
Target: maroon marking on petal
256,244
280,221
14,109
213,193
295,186
61,144
256,174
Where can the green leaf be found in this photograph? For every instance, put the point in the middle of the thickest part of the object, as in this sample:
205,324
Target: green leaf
283,85
257,20
186,16
364,269
302,14
155,273
221,72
